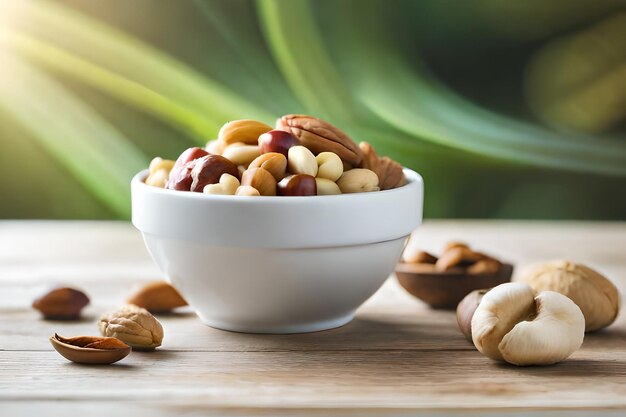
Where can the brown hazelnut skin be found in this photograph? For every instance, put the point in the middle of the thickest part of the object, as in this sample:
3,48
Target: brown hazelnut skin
277,141
180,175
297,185
208,170
465,311
61,304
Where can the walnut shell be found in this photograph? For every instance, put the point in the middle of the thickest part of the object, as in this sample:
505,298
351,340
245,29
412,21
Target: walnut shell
596,296
320,136
134,326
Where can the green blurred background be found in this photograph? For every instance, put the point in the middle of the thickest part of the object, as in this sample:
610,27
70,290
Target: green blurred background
509,109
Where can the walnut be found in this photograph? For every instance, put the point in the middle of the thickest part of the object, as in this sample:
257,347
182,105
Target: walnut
320,136
596,296
133,325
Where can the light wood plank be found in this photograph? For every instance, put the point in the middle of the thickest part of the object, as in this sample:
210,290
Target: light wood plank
398,357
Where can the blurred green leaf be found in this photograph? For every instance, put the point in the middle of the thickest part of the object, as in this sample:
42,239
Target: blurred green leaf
94,151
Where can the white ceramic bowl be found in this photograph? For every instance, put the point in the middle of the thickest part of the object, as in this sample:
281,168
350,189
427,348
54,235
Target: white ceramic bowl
276,264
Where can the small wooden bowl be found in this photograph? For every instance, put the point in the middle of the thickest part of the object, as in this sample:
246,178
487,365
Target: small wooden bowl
444,290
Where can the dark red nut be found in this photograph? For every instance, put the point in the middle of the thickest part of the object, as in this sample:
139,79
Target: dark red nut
61,304
208,170
297,185
180,175
277,141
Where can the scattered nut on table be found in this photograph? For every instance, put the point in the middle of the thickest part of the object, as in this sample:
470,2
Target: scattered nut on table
597,297
90,349
465,311
515,325
61,304
134,326
157,297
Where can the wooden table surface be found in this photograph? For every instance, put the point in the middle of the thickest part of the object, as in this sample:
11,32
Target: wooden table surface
396,358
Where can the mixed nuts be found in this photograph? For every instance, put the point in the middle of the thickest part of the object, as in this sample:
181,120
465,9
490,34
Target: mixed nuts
542,319
302,156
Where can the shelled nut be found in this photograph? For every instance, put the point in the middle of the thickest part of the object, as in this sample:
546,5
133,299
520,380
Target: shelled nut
157,297
261,180
246,190
61,304
241,154
514,325
274,162
329,166
209,169
180,175
277,141
358,180
227,186
300,160
326,187
246,131
297,185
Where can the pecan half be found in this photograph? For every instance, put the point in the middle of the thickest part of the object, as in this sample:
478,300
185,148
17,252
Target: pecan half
320,136
389,172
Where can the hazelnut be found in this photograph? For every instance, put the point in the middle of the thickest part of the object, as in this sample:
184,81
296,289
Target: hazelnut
209,170
514,325
297,185
329,166
134,326
326,187
180,174
596,296
61,304
274,162
277,141
300,160
246,131
465,311
358,180
157,297
90,349
260,179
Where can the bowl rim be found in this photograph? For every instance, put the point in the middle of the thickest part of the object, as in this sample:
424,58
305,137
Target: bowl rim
278,222
413,178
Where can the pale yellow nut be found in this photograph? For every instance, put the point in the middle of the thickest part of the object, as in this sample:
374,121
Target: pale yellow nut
260,179
241,154
158,178
329,166
159,163
358,180
134,326
246,190
514,325
227,186
300,160
246,131
215,147
326,187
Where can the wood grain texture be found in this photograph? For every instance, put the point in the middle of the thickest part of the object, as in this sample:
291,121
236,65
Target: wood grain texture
396,358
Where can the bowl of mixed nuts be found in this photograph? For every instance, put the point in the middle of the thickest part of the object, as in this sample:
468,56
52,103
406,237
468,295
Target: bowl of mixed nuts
281,229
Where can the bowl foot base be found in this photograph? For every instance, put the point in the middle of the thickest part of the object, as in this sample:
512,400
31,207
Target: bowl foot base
315,326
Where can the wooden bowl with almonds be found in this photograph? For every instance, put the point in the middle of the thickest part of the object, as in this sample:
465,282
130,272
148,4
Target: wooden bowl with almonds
443,282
